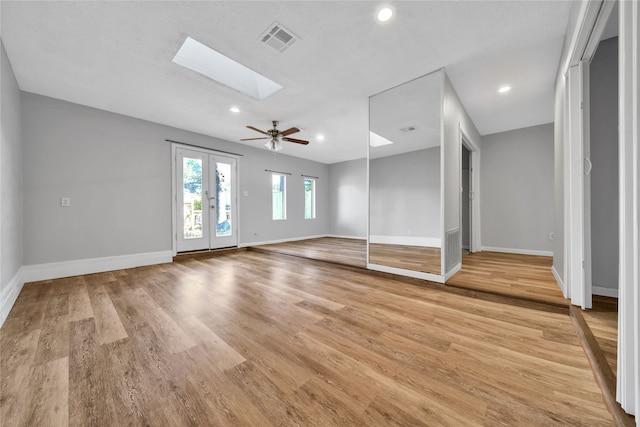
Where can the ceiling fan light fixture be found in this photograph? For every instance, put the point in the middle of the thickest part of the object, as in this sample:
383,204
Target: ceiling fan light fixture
274,145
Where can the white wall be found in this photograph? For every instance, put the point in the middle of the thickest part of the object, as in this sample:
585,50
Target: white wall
117,172
406,186
10,187
517,198
348,198
603,94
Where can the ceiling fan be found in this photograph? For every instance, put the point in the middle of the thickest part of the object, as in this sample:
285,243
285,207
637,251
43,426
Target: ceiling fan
276,137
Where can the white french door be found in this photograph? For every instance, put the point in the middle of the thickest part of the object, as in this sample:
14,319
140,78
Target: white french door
206,215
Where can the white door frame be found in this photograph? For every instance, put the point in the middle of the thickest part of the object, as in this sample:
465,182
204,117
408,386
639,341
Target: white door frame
594,17
474,191
578,231
628,378
174,188
591,18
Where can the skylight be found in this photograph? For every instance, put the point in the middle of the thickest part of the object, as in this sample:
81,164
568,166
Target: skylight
376,140
210,63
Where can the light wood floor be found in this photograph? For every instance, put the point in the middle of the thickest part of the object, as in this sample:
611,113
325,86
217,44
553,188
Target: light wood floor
351,252
415,258
603,322
245,339
521,276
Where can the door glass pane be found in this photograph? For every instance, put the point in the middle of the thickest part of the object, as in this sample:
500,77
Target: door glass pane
223,207
192,191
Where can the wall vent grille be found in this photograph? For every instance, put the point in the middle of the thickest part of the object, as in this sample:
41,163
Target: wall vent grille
453,252
278,38
408,129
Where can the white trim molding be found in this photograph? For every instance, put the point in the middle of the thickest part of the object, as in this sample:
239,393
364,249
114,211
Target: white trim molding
290,239
409,273
559,281
338,236
55,270
628,376
518,251
431,242
10,294
604,292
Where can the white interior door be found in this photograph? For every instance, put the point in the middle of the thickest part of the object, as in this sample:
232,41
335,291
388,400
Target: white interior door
205,201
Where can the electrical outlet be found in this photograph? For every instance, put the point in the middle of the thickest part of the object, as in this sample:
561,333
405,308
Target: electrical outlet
65,202
552,236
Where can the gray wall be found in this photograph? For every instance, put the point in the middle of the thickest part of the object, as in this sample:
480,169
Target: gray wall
406,186
517,198
604,156
10,175
117,172
348,198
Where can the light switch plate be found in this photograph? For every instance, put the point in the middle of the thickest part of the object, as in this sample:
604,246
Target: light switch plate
245,193
65,202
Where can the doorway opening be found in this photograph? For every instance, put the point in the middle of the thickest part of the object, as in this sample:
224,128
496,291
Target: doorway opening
467,200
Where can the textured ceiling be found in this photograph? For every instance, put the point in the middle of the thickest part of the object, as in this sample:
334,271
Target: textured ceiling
116,56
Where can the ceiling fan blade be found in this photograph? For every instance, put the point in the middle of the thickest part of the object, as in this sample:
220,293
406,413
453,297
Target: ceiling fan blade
257,130
253,139
289,131
297,141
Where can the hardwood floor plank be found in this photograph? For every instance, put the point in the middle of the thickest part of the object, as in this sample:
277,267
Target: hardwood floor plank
79,303
17,352
54,340
222,355
48,403
89,401
108,323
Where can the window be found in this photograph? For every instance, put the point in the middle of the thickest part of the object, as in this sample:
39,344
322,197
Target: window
309,198
278,197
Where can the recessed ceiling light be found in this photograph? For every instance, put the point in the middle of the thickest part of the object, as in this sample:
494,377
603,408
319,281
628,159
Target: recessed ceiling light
385,14
504,89
208,62
320,137
234,109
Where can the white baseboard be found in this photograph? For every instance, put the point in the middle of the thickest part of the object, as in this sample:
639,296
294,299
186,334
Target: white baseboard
517,251
432,242
559,281
269,242
10,294
337,236
604,292
453,271
409,273
55,270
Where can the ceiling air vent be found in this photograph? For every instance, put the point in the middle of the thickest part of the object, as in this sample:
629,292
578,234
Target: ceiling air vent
278,37
408,129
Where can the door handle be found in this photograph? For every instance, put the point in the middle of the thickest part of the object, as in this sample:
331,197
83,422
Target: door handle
588,165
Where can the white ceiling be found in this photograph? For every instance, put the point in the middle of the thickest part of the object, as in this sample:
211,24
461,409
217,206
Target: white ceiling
116,56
